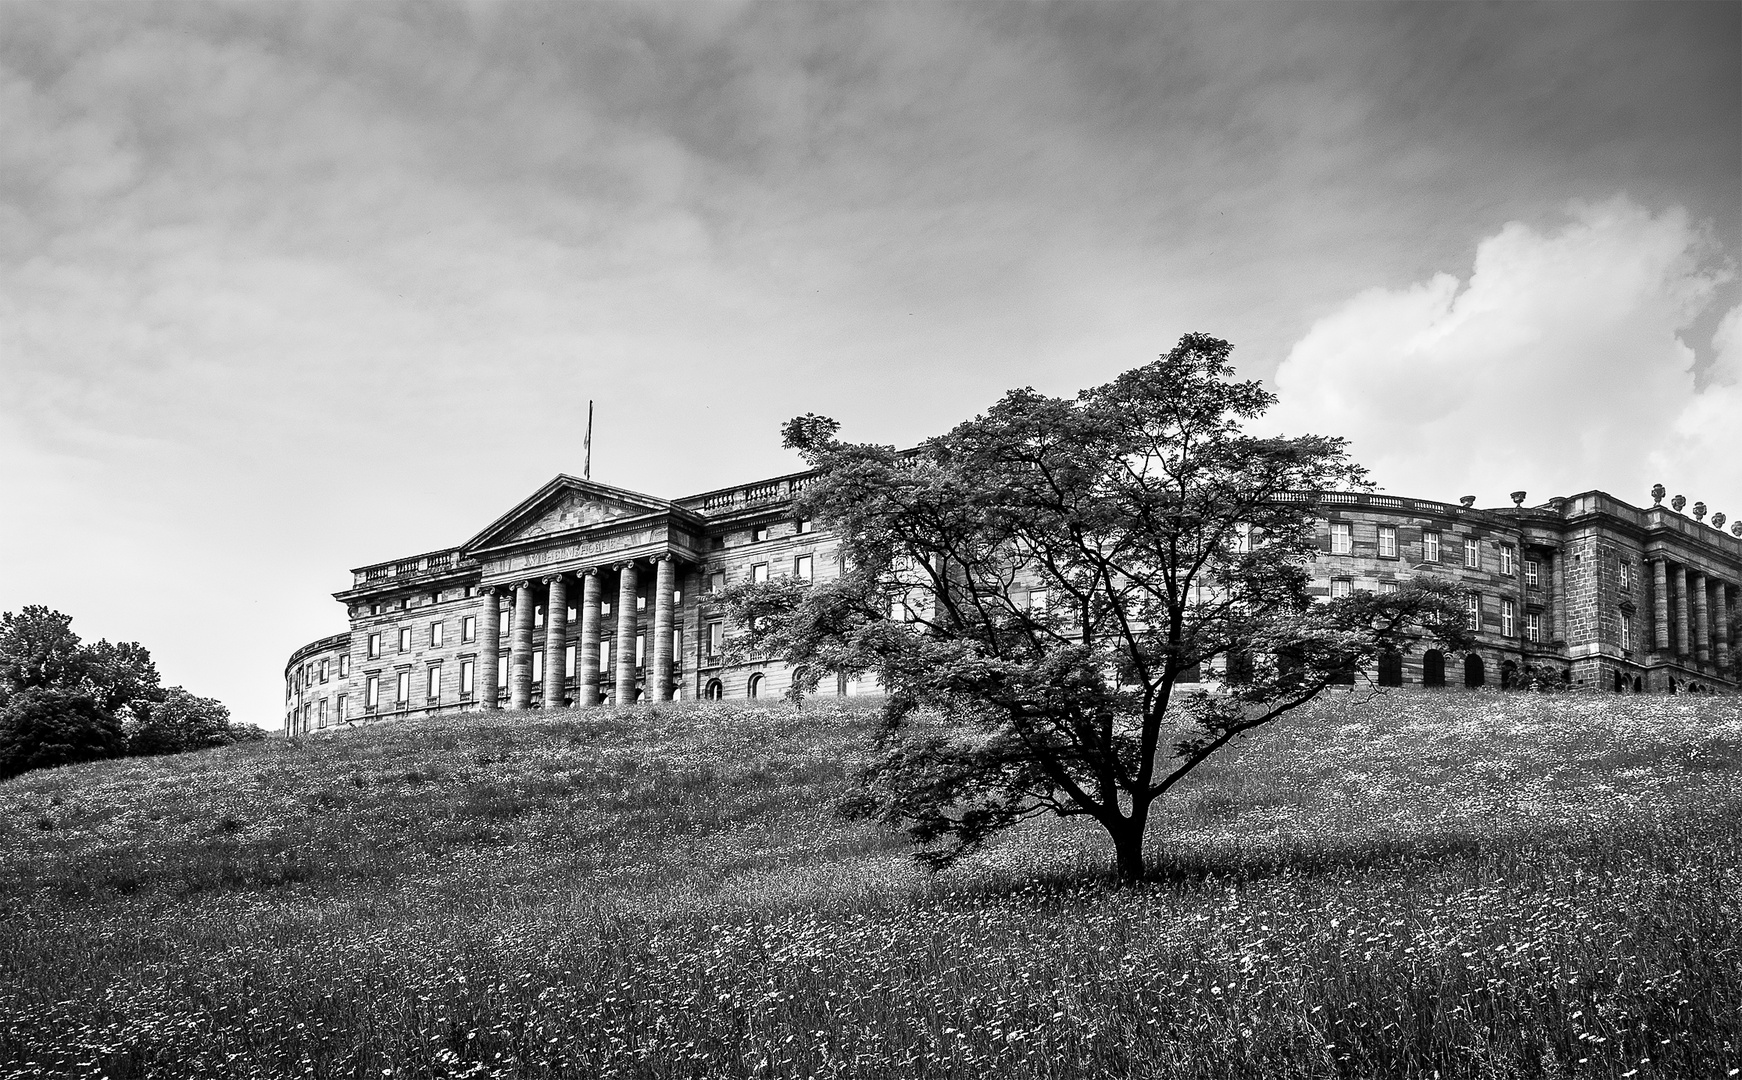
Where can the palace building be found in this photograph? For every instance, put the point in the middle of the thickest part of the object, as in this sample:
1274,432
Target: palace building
589,594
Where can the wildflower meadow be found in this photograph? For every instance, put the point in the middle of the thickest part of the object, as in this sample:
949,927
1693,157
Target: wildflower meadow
1408,885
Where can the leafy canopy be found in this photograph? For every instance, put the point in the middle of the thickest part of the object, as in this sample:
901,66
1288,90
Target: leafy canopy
1040,590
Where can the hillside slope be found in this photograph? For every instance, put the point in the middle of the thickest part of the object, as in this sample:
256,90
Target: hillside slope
1477,884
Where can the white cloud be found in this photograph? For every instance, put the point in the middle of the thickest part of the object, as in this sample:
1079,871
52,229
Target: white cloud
1557,367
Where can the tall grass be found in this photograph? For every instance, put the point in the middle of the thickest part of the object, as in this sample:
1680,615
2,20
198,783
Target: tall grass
1460,885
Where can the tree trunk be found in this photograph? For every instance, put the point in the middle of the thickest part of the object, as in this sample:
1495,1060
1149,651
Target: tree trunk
1128,849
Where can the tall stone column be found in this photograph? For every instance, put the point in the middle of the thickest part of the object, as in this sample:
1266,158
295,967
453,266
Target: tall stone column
587,664
484,684
1721,624
1660,605
1683,645
665,583
1557,599
628,620
520,648
1702,621
556,640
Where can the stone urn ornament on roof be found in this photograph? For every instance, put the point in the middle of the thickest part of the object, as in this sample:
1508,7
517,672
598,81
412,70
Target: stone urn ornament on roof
1658,491
1699,511
1718,520
1678,502
1736,529
1468,500
1518,498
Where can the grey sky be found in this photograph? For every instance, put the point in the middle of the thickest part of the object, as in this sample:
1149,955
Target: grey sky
288,289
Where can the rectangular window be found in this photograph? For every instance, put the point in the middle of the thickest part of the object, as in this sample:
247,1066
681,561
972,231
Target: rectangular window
572,615
433,686
1508,615
641,603
569,662
537,616
1387,587
501,672
1626,632
804,526
758,534
375,609
717,581
372,692
345,666
435,635
1342,538
1508,560
1341,587
759,572
1533,625
323,671
323,712
716,634
538,667
604,609
677,647
1626,576
1388,541
801,568
339,709
405,639
1473,610
640,650
403,690
1037,601
1531,571
466,678
1430,546
374,646
1242,538
606,648
1472,553
469,628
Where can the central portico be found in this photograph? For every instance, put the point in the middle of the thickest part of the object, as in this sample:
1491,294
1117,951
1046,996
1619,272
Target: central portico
591,548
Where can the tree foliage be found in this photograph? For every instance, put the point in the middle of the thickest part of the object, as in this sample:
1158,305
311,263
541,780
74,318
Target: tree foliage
1039,590
62,700
41,728
183,721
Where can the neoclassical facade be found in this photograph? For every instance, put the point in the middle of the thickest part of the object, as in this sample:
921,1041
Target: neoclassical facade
589,594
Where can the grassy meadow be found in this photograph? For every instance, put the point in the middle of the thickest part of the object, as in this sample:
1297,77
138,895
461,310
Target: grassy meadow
1451,885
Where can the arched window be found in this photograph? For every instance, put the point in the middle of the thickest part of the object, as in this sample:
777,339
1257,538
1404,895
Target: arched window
754,687
1475,672
715,690
1433,668
1508,675
1390,668
1638,685
1620,681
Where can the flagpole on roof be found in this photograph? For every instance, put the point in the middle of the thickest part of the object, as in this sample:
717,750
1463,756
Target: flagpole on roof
587,462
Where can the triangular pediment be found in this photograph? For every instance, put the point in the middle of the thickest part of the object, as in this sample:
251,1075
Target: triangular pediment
564,505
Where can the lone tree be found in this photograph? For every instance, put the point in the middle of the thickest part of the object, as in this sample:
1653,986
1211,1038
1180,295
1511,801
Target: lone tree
1040,590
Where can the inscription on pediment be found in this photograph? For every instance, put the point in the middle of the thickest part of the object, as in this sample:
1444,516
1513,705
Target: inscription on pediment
579,549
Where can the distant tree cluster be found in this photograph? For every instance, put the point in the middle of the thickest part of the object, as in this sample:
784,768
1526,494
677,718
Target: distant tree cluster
63,701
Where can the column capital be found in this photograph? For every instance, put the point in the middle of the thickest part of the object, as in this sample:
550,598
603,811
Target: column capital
591,571
549,578
665,556
526,584
626,564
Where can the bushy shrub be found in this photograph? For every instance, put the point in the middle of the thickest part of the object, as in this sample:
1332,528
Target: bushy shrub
41,728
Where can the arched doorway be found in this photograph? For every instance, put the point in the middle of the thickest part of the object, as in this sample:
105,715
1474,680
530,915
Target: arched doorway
754,687
1475,672
1433,668
1620,682
1508,675
1638,685
1390,668
715,690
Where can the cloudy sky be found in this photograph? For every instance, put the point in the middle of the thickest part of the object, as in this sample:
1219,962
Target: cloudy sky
288,289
